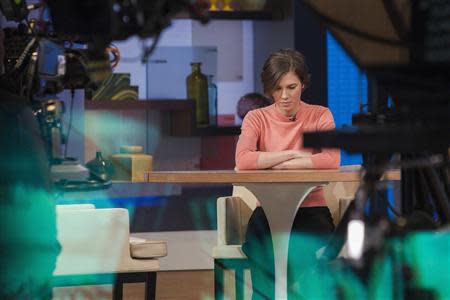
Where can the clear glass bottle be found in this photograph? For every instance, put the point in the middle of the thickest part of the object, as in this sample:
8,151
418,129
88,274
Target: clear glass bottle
197,89
212,101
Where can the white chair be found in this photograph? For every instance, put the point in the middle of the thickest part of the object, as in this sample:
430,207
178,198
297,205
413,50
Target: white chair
97,249
233,214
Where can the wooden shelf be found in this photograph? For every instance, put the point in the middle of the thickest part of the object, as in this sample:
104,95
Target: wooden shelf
342,174
217,131
155,104
241,15
274,10
232,15
182,115
123,189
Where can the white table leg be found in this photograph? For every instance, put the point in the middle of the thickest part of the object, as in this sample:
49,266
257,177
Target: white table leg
280,202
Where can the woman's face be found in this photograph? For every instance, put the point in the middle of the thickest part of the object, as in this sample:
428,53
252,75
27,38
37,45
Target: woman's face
288,93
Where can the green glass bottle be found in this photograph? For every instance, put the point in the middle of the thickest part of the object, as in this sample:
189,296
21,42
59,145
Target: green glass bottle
197,90
100,167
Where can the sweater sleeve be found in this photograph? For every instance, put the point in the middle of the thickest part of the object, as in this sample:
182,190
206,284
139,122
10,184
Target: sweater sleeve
327,158
246,148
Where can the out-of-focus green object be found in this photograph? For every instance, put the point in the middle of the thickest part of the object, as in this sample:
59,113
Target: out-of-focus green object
197,89
381,284
310,278
428,255
425,254
28,242
347,283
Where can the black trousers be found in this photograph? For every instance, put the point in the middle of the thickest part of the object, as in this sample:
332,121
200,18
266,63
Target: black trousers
309,224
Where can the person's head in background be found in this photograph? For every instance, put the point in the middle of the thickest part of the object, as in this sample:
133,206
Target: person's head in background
250,102
284,77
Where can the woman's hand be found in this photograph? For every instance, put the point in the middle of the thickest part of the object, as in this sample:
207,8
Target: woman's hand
267,160
299,153
295,164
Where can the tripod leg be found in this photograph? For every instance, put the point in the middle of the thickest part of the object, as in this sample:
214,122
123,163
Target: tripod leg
438,194
407,195
339,236
445,174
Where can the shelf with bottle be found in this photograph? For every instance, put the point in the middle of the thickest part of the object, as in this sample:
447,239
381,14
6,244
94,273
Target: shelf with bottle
181,112
217,130
197,89
154,104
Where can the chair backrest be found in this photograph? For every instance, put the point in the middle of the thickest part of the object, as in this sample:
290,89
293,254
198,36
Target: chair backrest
92,240
237,215
246,196
338,193
62,207
233,215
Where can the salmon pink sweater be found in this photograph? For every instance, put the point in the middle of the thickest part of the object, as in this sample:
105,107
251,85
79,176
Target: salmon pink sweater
267,129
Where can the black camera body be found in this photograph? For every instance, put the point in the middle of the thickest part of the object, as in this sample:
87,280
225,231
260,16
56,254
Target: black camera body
71,37
106,20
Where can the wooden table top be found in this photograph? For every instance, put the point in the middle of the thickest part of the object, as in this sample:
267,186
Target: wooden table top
344,174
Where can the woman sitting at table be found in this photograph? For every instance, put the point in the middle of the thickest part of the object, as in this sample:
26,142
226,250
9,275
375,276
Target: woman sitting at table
272,138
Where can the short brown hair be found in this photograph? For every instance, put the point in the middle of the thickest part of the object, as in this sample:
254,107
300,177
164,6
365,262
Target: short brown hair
280,63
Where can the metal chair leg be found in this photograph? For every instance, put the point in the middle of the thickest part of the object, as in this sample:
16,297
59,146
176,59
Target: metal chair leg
238,265
118,287
150,286
218,280
239,282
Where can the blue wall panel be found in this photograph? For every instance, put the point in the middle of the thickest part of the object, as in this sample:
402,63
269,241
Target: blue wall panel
347,90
